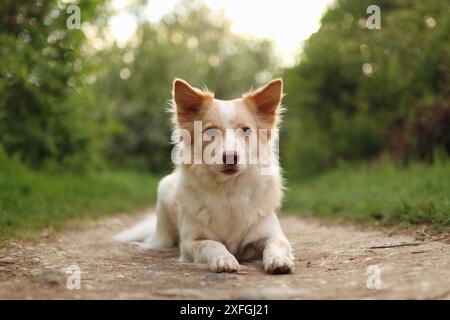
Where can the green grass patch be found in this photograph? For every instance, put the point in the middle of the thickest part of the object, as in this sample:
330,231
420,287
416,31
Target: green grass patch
32,200
383,193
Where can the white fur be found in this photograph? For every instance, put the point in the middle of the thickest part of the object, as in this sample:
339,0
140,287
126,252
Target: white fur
227,112
139,232
219,219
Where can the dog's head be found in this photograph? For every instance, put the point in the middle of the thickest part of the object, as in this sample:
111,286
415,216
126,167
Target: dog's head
226,136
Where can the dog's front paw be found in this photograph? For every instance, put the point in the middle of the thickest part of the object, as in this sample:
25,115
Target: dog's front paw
224,263
278,264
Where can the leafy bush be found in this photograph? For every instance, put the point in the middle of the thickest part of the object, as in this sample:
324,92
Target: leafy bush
49,114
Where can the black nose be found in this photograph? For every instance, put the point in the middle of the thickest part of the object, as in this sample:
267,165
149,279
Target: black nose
230,158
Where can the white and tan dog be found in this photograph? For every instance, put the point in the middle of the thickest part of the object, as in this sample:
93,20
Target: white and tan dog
222,212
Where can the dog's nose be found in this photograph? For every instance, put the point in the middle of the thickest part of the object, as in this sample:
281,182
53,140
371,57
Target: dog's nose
230,158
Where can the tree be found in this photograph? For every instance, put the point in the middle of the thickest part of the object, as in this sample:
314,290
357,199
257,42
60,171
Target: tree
49,113
358,93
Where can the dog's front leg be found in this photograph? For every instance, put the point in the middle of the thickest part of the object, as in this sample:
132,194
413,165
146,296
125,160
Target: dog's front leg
211,252
277,256
269,239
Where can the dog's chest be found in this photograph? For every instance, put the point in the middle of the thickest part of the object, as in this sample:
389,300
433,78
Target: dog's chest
230,215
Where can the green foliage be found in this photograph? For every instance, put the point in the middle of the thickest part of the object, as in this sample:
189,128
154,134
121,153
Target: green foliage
32,200
357,92
193,43
383,194
49,114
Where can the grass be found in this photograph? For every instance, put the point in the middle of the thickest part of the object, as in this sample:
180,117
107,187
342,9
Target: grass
32,200
383,194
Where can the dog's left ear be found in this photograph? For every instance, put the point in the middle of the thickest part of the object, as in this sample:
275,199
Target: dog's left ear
266,100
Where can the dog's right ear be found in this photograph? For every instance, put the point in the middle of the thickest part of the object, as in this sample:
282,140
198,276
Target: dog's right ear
188,100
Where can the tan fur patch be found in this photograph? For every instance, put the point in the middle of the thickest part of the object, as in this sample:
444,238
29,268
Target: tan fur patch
198,246
266,101
190,102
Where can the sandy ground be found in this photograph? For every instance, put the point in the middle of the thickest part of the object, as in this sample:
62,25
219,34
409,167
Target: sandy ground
332,262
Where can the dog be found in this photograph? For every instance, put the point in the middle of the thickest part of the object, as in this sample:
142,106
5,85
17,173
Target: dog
223,211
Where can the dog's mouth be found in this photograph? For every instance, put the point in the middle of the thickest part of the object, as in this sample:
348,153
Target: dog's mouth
230,170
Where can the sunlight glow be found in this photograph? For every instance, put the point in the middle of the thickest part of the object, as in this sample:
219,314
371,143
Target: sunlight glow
122,27
288,23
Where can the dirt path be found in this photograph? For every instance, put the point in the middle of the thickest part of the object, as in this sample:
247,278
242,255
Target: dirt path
331,263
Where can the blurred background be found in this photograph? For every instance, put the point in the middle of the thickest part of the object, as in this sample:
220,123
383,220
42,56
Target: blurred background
84,132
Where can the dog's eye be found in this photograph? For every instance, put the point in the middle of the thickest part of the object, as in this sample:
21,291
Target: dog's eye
211,131
246,130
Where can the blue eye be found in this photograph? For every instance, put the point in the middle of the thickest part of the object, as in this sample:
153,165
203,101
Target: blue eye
246,130
211,131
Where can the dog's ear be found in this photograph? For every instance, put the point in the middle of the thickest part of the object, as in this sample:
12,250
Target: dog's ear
266,100
188,100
